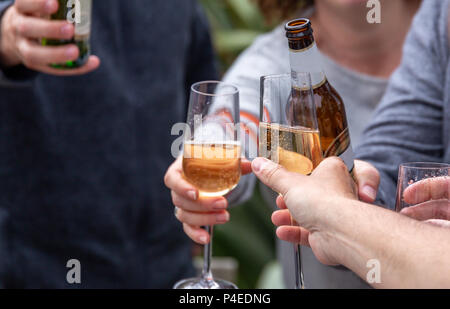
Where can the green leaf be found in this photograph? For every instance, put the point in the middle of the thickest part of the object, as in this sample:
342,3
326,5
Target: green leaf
234,40
247,13
248,237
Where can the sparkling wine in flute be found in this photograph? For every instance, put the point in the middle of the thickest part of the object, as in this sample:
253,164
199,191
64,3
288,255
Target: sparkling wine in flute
289,132
211,158
215,169
295,148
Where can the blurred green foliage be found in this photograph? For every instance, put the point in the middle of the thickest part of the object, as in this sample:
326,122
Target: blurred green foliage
235,24
249,236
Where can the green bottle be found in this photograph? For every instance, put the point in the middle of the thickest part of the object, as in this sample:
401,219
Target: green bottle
79,13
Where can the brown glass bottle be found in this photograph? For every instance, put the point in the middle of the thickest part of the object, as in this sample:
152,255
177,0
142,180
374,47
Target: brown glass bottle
330,110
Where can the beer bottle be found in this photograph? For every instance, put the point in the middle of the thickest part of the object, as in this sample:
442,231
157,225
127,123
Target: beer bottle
77,12
330,110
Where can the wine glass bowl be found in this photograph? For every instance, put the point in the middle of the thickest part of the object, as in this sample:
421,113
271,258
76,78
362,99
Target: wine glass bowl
215,169
422,182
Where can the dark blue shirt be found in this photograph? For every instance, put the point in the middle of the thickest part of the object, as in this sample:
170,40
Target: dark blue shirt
82,159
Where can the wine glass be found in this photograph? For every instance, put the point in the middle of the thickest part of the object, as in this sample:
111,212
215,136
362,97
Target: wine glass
424,185
289,131
212,157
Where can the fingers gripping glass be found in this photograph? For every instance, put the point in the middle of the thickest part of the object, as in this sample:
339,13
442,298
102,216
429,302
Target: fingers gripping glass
423,190
288,131
212,157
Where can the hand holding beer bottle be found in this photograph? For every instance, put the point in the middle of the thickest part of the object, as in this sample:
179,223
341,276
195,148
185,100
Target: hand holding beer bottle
22,29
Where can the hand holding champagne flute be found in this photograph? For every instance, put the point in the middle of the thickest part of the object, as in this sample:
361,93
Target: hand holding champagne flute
212,157
289,132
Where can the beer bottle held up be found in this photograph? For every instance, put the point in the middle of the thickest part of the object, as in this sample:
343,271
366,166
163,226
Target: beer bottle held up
332,120
77,12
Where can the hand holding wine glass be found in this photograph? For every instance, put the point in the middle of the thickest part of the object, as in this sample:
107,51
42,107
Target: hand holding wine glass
211,163
307,199
423,192
194,211
289,131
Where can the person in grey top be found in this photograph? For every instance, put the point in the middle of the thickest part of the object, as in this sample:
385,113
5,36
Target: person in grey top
357,64
411,124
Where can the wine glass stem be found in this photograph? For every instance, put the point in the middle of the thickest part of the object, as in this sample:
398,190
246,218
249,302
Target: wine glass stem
207,274
299,281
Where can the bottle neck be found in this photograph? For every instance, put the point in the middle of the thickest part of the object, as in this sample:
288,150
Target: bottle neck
307,60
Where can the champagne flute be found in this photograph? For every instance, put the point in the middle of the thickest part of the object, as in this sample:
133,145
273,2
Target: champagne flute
212,157
425,185
289,131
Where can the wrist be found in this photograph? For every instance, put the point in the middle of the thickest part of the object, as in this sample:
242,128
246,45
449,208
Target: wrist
8,57
336,228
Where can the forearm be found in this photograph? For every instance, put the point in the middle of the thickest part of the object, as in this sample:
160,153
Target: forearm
411,254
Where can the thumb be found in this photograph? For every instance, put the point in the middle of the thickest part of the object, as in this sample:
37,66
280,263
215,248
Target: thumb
368,180
274,175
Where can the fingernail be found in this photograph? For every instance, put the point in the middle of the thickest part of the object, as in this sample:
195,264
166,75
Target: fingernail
370,192
192,195
258,164
220,204
222,217
50,6
71,52
66,29
203,239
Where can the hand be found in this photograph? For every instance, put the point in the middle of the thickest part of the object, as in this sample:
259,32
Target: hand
368,180
21,28
194,211
308,199
432,199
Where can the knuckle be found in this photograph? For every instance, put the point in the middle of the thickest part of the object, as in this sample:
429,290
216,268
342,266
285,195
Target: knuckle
293,194
167,178
176,200
271,174
14,24
21,26
186,229
179,214
376,174
18,6
368,172
28,58
26,53
337,163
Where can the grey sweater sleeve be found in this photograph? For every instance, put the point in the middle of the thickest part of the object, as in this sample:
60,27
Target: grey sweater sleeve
408,125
